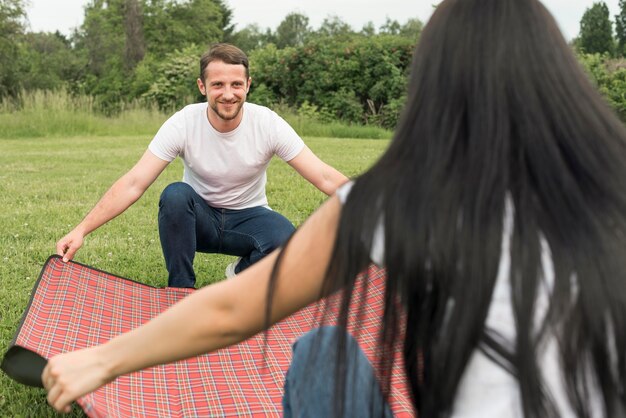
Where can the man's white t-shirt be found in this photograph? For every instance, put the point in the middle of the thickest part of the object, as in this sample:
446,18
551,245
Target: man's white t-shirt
228,170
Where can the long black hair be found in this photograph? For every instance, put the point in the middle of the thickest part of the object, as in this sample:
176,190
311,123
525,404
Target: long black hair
498,110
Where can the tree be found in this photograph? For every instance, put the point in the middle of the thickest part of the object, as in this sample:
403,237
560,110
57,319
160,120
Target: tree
11,30
334,26
620,28
228,27
390,27
173,25
174,80
47,61
123,41
135,48
354,78
251,37
293,30
596,31
101,37
197,22
368,29
412,28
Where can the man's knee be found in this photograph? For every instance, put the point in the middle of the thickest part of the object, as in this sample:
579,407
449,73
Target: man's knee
281,229
281,236
176,196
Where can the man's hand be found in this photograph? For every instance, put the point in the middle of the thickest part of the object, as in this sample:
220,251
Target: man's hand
69,244
69,376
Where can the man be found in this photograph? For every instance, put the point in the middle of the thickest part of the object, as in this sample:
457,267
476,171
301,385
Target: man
220,206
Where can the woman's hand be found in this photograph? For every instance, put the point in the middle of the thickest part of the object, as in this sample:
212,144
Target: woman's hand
70,376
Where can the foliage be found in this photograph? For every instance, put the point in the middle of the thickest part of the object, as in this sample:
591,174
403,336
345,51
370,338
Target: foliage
11,30
175,82
596,32
47,61
262,95
134,43
355,77
227,25
123,41
368,29
334,26
390,27
609,75
146,51
173,25
57,114
350,78
412,29
101,36
264,63
47,113
620,29
252,37
294,30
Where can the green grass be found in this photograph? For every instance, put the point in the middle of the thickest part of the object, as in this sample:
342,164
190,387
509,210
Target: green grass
48,184
306,126
58,114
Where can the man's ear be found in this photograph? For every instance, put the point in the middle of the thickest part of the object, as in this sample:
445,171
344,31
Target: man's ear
249,82
201,87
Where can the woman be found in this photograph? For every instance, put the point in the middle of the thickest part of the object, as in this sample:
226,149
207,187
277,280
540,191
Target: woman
499,212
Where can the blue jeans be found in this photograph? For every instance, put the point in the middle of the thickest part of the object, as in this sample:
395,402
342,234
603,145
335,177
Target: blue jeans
310,381
188,224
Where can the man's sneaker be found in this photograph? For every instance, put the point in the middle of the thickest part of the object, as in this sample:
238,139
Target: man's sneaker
230,269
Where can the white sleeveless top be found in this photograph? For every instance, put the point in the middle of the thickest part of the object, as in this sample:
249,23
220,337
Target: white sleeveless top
486,389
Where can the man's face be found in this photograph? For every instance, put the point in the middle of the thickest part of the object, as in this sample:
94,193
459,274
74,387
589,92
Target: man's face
225,87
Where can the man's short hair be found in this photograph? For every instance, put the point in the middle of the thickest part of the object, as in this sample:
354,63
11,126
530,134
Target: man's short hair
227,53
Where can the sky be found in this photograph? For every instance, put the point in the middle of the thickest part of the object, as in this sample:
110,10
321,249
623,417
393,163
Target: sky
64,15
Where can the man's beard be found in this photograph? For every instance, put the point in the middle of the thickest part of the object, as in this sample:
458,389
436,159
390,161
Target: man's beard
231,116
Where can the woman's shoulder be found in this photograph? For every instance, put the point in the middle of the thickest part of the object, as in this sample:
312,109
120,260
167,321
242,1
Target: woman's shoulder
344,190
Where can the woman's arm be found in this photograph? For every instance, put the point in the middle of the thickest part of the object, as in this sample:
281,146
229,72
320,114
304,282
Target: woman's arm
211,318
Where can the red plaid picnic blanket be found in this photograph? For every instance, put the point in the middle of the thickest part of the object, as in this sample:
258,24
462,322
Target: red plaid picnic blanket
75,306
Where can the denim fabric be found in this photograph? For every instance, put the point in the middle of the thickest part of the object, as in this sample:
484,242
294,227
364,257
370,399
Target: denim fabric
188,224
310,382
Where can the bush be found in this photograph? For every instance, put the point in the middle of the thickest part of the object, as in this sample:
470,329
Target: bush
356,79
344,105
175,84
609,75
262,95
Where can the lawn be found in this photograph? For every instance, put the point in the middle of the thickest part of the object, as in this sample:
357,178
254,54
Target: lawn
48,184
